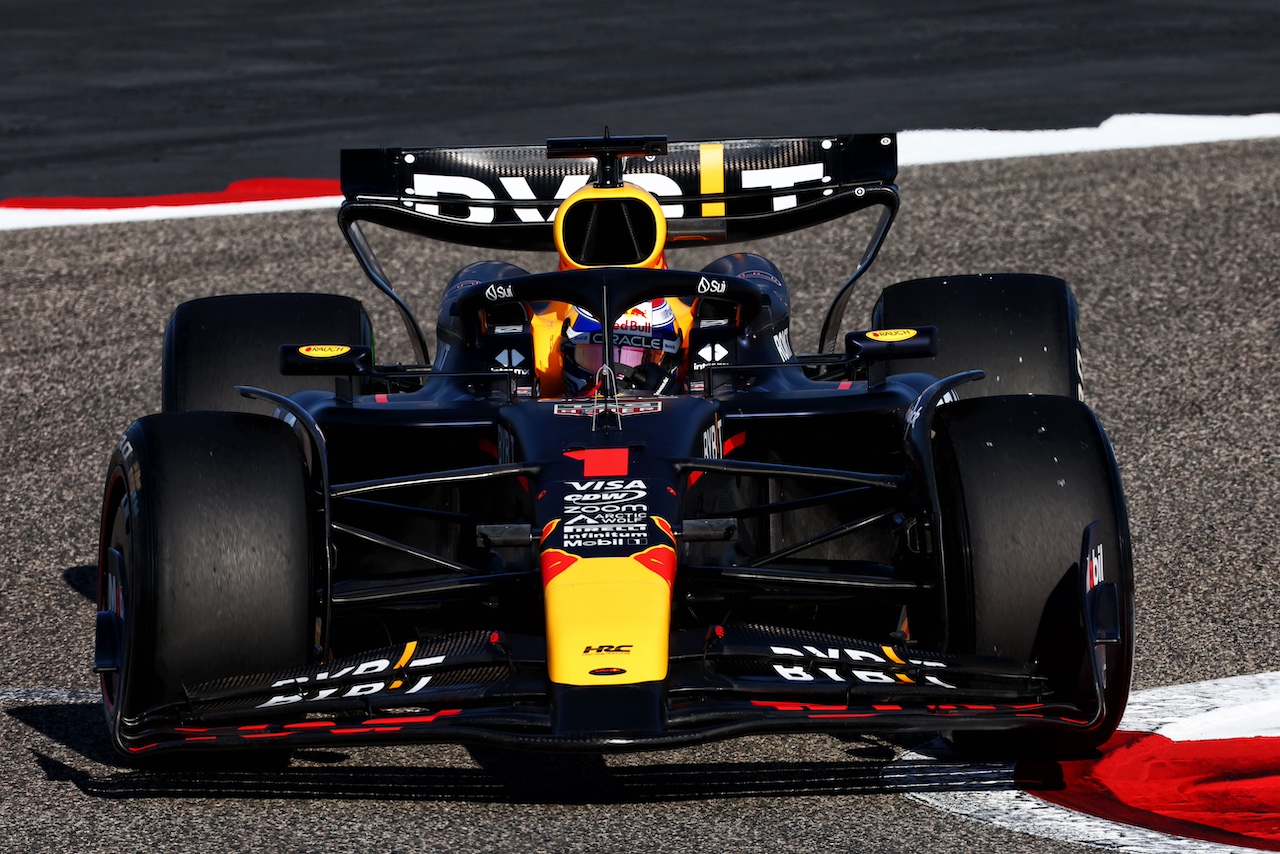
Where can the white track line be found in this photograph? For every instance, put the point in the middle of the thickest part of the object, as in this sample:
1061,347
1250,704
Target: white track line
915,148
989,794
1240,706
921,147
14,218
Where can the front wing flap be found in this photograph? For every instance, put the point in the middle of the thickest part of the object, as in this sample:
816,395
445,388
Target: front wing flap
489,687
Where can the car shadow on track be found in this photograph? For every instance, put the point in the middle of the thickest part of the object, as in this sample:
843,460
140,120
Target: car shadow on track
499,776
83,580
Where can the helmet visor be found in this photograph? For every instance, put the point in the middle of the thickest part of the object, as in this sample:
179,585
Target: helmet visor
591,356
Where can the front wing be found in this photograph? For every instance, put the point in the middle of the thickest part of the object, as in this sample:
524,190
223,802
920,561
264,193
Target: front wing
489,687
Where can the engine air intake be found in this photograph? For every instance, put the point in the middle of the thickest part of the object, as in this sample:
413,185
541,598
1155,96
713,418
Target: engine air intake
610,227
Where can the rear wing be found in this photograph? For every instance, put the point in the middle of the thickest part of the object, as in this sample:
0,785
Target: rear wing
505,197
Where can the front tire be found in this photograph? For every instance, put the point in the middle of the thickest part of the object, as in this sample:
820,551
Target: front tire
1020,479
204,560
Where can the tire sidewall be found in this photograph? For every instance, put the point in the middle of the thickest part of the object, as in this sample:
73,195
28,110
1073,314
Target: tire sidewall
136,679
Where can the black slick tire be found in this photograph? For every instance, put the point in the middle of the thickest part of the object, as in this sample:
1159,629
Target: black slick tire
1020,479
212,345
205,557
1021,329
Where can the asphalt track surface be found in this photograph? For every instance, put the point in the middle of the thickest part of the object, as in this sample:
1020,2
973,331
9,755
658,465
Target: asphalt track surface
142,97
1171,253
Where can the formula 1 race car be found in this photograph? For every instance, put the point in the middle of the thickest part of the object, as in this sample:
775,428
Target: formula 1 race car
618,511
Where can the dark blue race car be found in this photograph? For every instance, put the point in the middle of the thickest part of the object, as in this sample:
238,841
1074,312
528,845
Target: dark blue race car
612,506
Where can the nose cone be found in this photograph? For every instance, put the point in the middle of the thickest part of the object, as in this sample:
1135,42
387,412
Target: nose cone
608,618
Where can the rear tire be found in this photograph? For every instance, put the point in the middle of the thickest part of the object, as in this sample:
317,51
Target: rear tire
204,557
1020,479
1022,330
214,344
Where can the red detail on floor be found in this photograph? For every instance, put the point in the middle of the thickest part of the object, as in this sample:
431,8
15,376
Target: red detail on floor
789,706
1225,791
250,190
414,719
602,462
380,398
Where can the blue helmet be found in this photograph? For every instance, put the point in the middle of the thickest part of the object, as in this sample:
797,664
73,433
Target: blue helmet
648,349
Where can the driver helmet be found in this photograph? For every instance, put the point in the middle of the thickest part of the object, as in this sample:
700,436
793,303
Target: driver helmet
648,349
